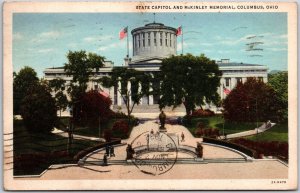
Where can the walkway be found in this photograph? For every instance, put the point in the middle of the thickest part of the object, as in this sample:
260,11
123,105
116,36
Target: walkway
219,163
255,131
65,134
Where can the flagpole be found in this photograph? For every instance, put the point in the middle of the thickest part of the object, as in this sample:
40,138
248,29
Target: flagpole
127,44
181,40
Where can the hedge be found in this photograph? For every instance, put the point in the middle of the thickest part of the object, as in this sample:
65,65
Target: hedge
88,150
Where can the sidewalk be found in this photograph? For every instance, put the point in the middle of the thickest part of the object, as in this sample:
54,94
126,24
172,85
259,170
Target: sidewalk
65,134
255,131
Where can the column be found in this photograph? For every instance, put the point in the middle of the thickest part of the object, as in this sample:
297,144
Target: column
150,96
140,90
265,79
233,83
129,91
119,97
244,79
221,88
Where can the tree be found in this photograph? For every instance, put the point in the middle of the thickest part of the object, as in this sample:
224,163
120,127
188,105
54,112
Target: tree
279,82
91,107
80,66
38,109
23,80
191,80
252,101
138,81
58,87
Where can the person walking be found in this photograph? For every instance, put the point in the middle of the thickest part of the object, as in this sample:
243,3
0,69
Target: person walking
182,137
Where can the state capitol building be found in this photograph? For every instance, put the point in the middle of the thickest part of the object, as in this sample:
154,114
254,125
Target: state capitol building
151,44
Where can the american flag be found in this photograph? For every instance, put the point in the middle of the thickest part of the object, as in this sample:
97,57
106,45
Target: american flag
123,33
226,90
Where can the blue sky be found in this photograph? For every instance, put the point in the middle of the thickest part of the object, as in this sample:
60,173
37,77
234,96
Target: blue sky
42,40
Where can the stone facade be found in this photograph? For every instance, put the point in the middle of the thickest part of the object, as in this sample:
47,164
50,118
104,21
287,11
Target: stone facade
151,44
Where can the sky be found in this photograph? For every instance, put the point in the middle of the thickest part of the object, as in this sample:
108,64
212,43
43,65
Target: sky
42,40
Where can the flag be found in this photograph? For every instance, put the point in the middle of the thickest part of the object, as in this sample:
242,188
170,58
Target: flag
106,95
225,90
179,31
123,33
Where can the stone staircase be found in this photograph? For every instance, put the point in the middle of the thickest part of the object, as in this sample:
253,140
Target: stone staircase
178,161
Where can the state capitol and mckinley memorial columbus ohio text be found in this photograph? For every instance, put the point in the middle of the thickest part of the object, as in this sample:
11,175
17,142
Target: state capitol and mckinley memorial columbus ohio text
205,7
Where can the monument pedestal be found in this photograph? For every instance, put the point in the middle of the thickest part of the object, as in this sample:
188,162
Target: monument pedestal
162,129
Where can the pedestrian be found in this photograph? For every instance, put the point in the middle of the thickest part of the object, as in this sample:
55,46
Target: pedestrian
112,151
104,163
106,150
182,137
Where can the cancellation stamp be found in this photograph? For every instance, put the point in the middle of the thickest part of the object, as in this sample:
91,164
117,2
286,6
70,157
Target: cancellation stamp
155,153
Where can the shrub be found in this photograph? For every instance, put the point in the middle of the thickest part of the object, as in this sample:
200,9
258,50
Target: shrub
209,132
200,125
120,129
273,148
107,135
202,113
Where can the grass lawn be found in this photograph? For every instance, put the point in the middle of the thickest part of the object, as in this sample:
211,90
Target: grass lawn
49,147
277,133
92,131
217,122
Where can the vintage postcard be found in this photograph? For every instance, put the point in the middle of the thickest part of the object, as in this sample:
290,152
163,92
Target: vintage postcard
150,96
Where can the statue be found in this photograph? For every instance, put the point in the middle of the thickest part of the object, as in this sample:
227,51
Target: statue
199,150
129,151
162,119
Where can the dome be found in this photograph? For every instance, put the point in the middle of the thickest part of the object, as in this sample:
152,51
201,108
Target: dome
154,40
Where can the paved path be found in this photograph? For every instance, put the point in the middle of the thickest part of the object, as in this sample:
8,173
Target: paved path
209,152
255,131
258,169
270,169
65,134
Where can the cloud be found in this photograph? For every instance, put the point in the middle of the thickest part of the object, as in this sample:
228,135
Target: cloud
206,44
277,49
50,34
44,36
111,46
233,41
98,38
47,50
72,45
185,45
17,36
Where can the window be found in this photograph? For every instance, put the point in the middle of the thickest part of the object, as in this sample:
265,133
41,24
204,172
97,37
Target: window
227,81
139,41
166,39
136,42
143,35
238,80
149,42
96,86
155,44
170,40
260,79
161,38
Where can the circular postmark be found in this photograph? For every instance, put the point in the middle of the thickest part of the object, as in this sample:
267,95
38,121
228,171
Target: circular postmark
155,153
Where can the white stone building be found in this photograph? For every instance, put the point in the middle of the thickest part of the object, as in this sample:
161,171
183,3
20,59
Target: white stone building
151,44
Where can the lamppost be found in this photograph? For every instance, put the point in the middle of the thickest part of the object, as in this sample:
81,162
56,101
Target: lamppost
99,129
